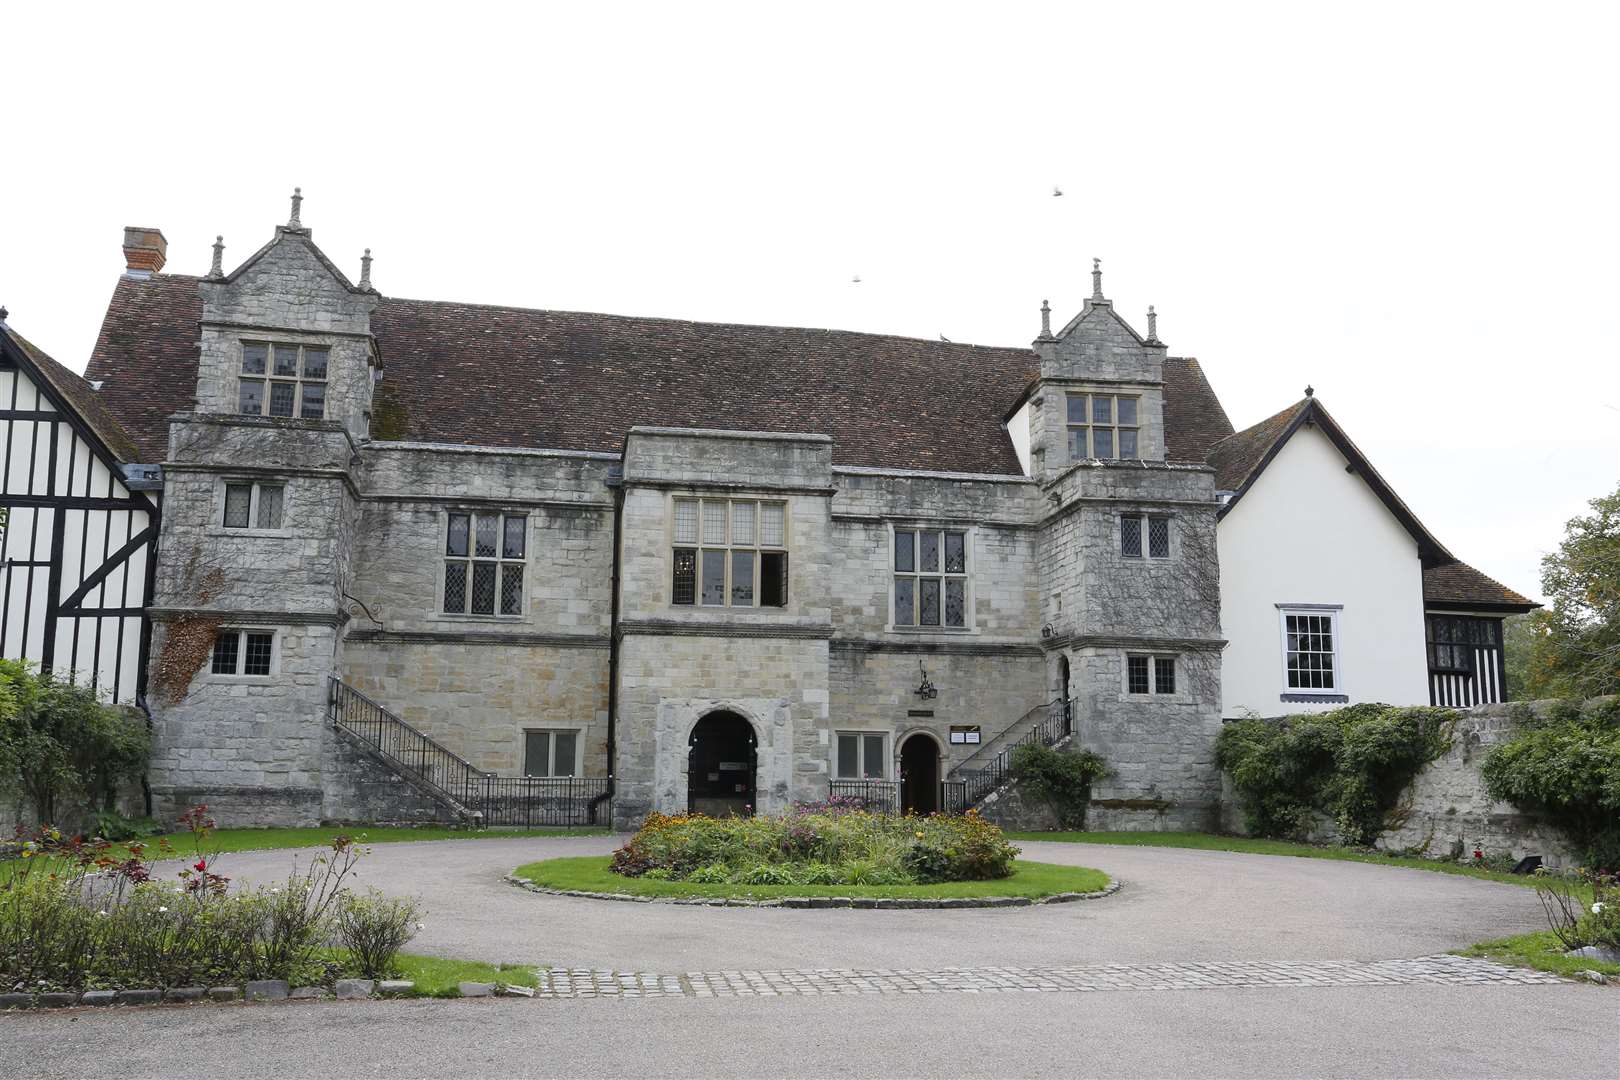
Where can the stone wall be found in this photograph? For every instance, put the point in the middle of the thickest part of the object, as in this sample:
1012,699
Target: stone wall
1446,813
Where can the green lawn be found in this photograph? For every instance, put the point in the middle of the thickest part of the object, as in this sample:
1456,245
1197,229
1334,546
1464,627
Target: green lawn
1032,879
1542,951
436,976
1254,846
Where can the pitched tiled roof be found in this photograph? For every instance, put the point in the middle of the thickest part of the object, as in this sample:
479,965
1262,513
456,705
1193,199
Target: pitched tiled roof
1194,420
1239,456
81,396
1457,583
497,376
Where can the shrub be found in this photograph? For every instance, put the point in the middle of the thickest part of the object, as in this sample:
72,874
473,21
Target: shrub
1566,767
111,825
58,739
1061,779
1351,764
374,928
1583,908
842,846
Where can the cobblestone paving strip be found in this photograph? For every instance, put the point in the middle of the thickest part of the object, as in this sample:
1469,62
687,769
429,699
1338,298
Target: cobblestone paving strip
1442,969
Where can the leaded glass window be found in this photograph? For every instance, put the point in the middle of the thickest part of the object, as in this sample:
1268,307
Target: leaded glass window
1310,650
1136,674
1455,639
930,577
1103,426
1135,528
484,556
729,553
251,505
1150,674
243,652
282,379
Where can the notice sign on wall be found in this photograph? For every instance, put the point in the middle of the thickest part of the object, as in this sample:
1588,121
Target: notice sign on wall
965,734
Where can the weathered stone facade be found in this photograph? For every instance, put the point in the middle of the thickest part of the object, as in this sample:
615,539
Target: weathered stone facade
353,584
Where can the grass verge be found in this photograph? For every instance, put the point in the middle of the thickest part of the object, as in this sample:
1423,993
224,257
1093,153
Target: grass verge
1031,879
1542,951
1256,846
436,976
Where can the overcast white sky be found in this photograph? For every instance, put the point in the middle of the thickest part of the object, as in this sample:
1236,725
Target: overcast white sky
1411,207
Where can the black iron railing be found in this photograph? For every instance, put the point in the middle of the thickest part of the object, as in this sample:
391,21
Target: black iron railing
880,796
1054,728
953,796
472,794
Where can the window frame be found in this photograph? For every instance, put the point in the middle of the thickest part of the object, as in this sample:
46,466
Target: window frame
1145,520
268,379
917,575
860,735
1489,638
728,546
1333,612
553,730
1114,427
240,674
1154,689
470,560
222,492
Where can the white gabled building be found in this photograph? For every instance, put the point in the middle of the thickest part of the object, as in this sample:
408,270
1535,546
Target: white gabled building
1332,591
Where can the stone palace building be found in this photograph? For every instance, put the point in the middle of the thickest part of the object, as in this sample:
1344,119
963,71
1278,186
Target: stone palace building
422,559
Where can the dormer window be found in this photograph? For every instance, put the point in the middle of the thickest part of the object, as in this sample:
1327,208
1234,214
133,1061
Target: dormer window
279,379
1102,426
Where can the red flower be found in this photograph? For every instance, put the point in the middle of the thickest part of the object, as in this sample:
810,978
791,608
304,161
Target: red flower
202,864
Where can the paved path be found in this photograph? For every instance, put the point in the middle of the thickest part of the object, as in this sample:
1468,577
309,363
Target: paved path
1205,964
1177,905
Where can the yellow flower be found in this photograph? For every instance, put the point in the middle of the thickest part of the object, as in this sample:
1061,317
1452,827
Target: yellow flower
919,834
28,854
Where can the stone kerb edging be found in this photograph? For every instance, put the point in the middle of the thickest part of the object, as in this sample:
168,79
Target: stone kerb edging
265,990
861,902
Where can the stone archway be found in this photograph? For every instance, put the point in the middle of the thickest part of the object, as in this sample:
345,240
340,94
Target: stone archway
722,766
919,774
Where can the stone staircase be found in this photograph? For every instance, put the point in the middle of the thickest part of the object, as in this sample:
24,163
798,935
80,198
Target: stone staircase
990,766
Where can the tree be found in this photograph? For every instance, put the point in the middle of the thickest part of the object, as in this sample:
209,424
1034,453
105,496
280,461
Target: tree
57,740
1573,647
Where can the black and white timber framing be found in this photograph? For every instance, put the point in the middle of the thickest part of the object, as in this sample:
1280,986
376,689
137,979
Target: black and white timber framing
77,544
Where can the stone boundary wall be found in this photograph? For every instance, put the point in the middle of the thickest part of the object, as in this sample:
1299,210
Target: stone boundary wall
1446,812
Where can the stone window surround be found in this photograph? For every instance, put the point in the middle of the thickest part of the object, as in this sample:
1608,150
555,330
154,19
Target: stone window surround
969,592
442,530
1335,613
670,544
1088,392
207,673
1179,694
1172,536
216,519
889,744
578,730
299,341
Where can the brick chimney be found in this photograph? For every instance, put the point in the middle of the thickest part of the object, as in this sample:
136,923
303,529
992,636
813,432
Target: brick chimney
145,251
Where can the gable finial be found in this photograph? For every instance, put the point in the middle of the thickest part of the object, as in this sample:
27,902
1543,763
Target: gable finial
297,208
1310,391
1096,279
3,314
365,270
1046,321
217,270
1153,326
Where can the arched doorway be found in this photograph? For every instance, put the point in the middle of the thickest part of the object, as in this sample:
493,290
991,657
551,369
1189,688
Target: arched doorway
721,756
919,775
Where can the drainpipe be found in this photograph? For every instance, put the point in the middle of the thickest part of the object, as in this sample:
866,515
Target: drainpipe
615,481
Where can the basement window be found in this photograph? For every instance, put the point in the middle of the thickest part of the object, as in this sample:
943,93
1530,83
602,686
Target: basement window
484,556
551,753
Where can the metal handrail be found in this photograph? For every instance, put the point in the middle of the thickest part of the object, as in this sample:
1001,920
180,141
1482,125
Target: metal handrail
880,795
962,767
470,792
1057,726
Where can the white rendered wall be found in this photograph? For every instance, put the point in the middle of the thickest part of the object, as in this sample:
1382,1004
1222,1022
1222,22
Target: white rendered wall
1308,532
1018,430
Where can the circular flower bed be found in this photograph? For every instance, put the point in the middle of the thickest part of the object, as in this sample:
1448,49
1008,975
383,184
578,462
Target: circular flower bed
820,844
